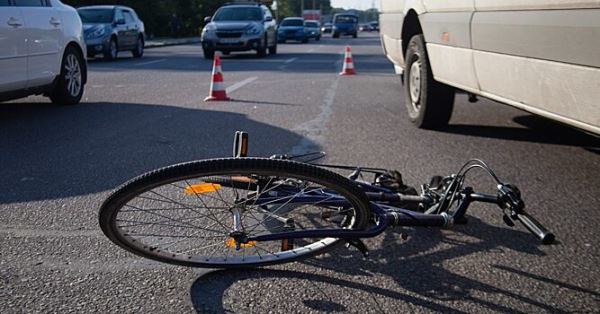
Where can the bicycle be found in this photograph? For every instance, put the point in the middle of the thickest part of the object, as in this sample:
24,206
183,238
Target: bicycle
248,212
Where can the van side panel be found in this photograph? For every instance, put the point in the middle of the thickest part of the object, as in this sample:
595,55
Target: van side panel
570,36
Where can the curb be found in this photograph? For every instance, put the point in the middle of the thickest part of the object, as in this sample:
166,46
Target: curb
171,42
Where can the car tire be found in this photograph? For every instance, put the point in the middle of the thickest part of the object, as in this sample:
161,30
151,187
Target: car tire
336,35
282,41
273,49
209,53
113,50
138,51
304,40
355,35
261,51
429,102
69,85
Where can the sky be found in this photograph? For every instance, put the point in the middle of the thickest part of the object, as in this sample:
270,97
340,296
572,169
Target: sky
354,4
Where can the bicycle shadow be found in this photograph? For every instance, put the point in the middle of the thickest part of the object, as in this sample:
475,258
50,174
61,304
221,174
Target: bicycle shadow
416,266
52,152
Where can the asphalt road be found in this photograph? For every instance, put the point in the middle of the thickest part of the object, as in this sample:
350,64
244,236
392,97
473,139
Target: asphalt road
59,163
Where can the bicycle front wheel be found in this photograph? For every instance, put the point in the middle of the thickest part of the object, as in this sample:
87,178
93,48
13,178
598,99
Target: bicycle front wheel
199,213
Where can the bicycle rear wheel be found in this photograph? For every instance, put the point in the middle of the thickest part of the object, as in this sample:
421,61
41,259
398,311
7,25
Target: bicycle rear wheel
195,214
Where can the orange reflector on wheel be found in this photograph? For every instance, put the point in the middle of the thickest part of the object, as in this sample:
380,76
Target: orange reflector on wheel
202,188
231,243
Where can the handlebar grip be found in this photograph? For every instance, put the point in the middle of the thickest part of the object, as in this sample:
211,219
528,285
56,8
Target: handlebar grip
536,228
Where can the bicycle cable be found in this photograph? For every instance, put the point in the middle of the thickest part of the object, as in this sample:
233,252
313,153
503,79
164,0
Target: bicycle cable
459,179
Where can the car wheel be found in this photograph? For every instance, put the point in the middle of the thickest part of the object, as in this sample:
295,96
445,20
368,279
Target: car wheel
226,53
138,51
68,89
209,53
282,41
354,35
113,50
262,49
273,49
318,37
336,35
304,40
429,102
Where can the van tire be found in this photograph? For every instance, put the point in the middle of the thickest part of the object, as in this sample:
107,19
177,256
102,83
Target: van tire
429,103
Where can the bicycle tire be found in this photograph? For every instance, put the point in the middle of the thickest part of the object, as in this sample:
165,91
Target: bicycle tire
120,205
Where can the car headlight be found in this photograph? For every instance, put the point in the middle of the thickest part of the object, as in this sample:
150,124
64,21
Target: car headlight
253,30
209,28
99,32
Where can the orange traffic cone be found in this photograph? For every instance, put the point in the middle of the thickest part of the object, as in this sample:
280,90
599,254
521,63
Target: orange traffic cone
217,88
348,63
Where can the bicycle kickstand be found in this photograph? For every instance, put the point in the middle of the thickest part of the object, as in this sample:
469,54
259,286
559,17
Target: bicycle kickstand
358,244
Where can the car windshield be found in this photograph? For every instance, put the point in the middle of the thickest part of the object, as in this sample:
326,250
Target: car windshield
311,24
96,15
294,22
346,19
239,14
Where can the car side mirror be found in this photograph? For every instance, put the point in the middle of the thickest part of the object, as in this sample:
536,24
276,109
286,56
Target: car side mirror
120,22
207,19
268,19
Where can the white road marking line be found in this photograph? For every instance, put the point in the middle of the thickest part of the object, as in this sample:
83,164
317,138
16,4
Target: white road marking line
311,50
241,84
290,60
150,62
314,130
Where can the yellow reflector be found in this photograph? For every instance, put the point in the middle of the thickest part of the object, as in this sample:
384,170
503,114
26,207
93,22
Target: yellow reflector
202,188
231,243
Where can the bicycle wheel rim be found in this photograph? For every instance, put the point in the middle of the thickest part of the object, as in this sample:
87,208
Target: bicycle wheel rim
120,214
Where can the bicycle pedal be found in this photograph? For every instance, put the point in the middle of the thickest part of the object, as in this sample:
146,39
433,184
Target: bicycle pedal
360,245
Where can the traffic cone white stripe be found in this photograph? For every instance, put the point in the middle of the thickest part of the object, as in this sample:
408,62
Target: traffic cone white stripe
348,63
217,87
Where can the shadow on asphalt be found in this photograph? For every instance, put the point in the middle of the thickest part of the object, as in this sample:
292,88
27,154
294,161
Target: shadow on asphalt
51,152
538,130
416,265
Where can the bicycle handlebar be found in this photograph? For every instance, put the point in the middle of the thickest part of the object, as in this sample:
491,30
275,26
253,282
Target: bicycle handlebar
535,227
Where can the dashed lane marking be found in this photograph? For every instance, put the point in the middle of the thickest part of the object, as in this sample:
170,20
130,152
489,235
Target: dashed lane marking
241,84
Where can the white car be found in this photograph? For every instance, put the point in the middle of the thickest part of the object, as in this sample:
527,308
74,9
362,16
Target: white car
41,51
542,56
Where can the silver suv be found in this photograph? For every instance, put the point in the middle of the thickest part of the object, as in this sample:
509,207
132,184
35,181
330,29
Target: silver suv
240,27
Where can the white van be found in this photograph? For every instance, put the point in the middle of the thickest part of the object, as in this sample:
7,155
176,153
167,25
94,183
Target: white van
542,56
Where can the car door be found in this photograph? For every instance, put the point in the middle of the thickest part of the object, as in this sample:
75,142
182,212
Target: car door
121,29
541,56
13,48
270,26
132,28
44,38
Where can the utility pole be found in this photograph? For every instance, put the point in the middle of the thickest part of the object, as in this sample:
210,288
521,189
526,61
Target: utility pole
301,8
314,4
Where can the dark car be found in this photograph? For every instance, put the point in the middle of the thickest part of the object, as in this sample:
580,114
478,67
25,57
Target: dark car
326,29
109,29
345,24
313,28
240,27
292,28
374,25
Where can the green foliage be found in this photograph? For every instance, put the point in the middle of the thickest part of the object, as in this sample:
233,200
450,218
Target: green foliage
157,14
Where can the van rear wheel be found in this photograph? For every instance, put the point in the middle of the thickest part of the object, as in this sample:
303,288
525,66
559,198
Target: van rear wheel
429,103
